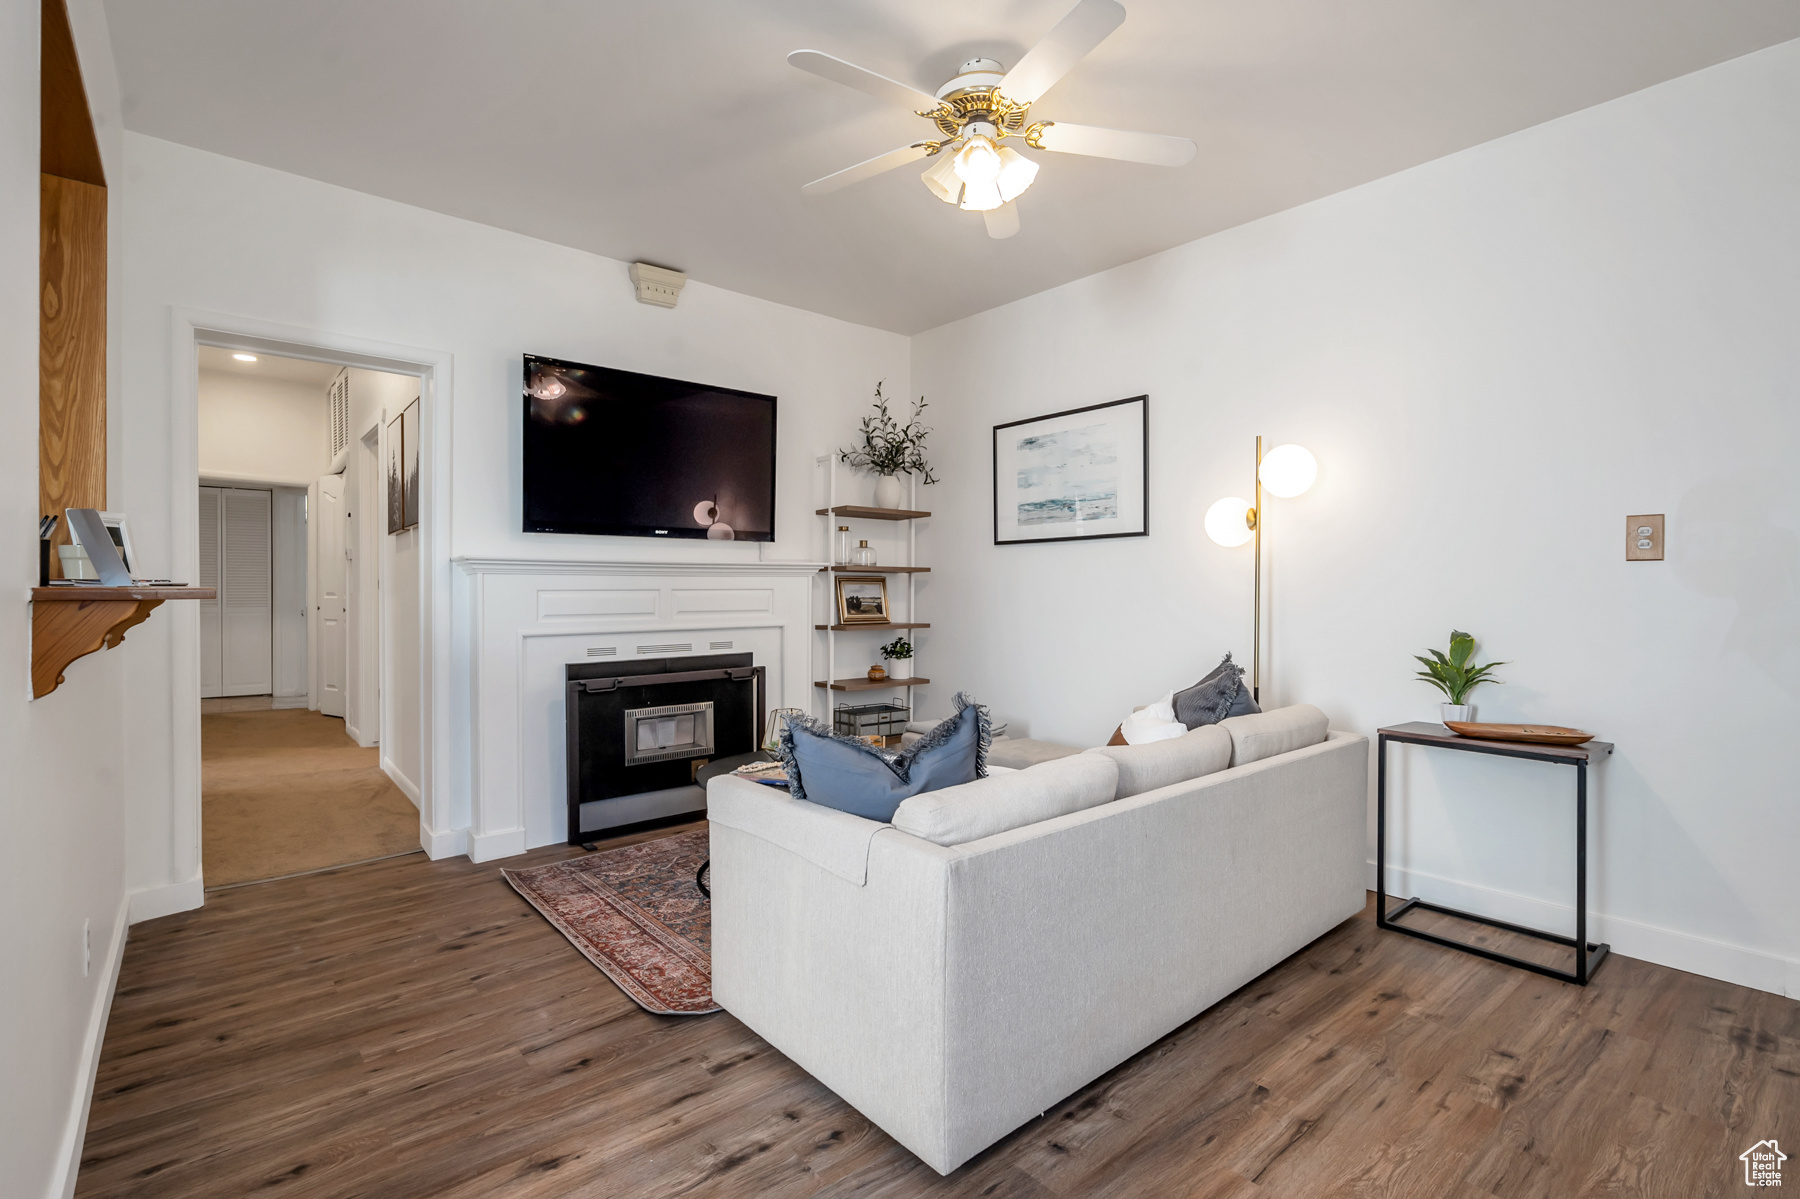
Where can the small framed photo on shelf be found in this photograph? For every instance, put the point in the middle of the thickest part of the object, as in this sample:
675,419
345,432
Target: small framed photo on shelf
1073,476
862,599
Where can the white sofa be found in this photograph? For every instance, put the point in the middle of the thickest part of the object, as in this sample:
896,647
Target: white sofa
952,992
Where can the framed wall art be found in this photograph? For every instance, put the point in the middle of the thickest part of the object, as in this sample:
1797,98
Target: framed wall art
396,500
1074,475
409,466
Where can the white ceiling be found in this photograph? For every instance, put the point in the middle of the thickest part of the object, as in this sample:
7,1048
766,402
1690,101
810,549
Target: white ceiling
674,131
269,366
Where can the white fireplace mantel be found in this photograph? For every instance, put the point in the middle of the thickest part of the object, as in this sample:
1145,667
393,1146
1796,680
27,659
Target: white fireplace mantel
524,619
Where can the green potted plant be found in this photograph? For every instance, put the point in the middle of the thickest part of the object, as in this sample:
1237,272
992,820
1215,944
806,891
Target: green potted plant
1455,676
899,654
889,449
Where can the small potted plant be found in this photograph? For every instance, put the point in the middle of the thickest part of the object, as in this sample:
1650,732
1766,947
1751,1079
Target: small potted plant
890,448
899,653
1454,676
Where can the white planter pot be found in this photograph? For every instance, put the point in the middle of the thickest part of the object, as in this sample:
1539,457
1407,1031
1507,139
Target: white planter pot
1457,712
888,492
899,668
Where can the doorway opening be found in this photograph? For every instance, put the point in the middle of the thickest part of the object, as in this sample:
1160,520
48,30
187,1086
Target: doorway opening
298,772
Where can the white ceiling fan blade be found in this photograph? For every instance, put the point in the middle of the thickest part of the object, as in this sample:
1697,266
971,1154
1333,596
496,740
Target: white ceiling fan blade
1156,149
825,66
864,170
1085,27
1002,222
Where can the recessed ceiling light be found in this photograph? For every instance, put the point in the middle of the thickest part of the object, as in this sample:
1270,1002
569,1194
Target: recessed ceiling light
245,357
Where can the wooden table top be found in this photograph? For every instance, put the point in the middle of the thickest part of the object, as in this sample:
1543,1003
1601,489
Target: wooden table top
85,592
1424,732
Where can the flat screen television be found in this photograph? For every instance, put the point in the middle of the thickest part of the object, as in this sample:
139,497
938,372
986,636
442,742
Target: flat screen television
614,452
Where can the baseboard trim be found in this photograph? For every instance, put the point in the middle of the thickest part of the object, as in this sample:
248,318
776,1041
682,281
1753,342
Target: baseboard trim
288,701
1722,960
152,902
409,788
75,1130
485,847
451,843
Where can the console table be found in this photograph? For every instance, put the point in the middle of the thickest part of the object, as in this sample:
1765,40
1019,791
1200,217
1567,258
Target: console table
1588,955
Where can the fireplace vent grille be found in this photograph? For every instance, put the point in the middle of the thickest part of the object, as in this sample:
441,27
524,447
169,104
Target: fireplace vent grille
718,645
684,647
602,651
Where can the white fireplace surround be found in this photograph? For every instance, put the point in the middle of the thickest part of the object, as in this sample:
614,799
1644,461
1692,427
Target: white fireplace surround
527,618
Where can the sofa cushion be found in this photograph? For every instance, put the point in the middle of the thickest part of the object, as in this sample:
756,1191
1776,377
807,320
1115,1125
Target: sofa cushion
1219,695
1143,768
993,805
849,774
1280,731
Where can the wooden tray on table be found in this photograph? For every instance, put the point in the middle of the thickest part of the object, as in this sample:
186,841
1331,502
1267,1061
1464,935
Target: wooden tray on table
1542,734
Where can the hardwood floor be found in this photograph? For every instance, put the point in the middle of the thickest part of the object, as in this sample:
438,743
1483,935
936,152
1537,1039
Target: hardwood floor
412,1028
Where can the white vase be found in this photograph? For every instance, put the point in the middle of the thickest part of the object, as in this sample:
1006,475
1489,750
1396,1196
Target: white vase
899,668
887,491
1457,712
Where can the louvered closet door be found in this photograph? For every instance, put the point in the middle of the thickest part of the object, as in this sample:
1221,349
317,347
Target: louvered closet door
247,593
212,634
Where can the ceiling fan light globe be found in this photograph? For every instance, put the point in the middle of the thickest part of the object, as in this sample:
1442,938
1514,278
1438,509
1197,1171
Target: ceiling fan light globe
941,178
980,197
978,162
1016,173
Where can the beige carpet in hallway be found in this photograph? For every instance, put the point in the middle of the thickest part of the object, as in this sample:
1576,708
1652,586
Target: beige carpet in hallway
288,791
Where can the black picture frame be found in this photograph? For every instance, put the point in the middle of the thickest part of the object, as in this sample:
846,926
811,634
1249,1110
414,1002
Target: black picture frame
1139,511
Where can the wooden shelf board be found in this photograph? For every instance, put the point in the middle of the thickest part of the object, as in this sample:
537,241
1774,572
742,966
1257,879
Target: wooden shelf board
85,594
866,685
875,570
863,513
886,624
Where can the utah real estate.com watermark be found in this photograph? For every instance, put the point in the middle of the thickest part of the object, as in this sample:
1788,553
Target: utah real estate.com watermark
1762,1164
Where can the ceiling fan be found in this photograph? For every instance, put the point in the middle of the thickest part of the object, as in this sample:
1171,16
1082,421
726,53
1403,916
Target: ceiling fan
982,107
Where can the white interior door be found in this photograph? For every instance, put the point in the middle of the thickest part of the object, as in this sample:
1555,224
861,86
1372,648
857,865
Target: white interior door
247,617
334,645
212,634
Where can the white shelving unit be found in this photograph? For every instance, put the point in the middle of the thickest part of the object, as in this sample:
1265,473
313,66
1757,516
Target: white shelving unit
833,514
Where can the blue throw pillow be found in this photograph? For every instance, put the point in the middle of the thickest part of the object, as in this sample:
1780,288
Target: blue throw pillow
849,774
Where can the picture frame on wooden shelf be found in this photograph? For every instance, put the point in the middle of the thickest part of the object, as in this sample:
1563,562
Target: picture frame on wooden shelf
862,599
1078,475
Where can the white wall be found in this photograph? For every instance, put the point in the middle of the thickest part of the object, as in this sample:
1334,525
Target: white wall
1496,358
62,798
210,233
263,430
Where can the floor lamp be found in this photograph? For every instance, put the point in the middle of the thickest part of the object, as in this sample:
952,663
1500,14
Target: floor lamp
1286,471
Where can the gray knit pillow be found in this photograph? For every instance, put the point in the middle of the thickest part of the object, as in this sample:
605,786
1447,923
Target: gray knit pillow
1215,697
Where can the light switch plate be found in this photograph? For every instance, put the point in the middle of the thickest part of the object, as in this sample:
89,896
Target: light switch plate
1644,538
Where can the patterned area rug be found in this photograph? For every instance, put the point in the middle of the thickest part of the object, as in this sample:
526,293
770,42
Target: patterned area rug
636,913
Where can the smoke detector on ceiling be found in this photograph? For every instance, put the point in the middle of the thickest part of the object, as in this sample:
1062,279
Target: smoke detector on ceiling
657,285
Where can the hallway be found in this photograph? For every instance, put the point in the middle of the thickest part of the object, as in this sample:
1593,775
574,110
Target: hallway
287,791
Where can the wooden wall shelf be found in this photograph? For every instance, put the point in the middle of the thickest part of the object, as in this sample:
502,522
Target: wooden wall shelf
875,570
71,622
872,513
864,684
885,624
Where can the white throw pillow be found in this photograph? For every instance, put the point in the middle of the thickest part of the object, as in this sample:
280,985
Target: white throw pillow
1142,768
1155,722
971,811
1279,731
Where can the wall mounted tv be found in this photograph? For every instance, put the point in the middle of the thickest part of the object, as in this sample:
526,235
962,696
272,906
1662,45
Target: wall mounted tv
610,451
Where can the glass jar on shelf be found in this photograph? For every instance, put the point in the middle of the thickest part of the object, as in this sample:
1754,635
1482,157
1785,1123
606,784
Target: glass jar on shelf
862,555
843,550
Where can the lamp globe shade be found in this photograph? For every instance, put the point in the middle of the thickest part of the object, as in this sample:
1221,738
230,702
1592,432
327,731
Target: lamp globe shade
1226,523
1288,470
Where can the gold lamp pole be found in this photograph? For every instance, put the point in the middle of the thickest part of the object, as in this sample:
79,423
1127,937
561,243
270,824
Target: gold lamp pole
1288,470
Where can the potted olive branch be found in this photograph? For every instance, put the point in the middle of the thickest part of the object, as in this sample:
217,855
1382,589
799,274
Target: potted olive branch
1453,674
890,448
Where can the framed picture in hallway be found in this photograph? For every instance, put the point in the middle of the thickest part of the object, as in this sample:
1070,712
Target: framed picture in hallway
1073,475
396,505
409,465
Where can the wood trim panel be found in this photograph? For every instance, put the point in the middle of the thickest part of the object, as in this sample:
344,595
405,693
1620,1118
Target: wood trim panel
71,349
67,148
